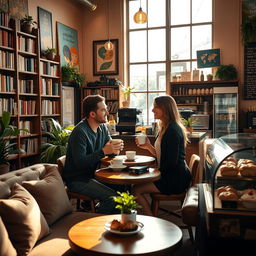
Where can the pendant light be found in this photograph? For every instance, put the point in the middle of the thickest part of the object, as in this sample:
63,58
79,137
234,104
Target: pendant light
108,45
140,17
91,5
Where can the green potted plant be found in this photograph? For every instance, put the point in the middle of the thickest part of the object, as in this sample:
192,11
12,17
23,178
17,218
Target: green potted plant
6,147
188,123
58,140
127,205
27,24
71,74
50,53
209,77
127,90
226,72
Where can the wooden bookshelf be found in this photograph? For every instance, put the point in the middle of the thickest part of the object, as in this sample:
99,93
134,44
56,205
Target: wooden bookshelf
109,92
30,88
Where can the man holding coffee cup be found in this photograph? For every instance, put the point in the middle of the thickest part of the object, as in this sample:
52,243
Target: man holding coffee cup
88,143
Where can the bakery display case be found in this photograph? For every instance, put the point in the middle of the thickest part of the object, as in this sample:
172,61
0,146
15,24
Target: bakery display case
229,190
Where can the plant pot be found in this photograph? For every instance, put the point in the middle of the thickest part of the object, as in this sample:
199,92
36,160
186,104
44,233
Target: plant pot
27,28
126,104
4,168
128,217
51,56
189,129
209,77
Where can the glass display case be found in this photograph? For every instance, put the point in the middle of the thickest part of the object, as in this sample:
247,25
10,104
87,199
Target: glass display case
230,171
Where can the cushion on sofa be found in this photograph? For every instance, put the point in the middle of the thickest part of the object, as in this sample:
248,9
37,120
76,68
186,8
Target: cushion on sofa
23,219
6,247
50,194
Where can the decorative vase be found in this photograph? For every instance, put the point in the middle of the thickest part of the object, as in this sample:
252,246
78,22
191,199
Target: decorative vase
27,28
125,217
51,56
4,168
189,129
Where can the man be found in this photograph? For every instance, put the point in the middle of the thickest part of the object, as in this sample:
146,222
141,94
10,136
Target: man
88,143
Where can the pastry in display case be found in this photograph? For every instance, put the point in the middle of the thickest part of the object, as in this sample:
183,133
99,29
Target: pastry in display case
230,186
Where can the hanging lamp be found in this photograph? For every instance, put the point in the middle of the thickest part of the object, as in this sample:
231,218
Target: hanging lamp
91,5
140,17
108,45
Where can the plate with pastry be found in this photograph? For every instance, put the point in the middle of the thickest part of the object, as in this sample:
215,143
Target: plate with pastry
124,229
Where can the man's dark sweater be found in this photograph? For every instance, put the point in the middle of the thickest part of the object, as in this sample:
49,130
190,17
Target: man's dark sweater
84,152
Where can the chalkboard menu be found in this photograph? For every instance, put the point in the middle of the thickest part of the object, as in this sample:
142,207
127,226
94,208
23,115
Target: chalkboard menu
250,71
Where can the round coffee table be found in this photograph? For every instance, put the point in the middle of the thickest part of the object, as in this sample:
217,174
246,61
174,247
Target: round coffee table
158,237
109,176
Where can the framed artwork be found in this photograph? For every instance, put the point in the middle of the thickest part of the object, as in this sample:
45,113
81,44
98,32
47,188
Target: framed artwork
208,58
105,62
68,45
45,25
18,8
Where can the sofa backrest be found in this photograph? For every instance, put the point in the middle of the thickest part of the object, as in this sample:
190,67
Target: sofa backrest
33,172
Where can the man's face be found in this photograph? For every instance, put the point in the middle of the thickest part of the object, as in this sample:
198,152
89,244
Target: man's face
100,116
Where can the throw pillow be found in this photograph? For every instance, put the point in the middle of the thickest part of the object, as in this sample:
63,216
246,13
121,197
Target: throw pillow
23,220
50,194
6,247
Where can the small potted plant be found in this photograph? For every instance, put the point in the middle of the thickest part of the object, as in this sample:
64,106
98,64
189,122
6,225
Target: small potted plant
50,53
188,123
127,205
127,90
209,77
6,147
71,74
226,72
27,24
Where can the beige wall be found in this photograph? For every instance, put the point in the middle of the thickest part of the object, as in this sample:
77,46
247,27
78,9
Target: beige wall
92,25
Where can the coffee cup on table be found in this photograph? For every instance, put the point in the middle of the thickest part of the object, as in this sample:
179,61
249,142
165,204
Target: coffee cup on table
117,162
130,155
142,139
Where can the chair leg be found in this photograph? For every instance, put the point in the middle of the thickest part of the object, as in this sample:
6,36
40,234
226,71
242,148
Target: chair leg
93,206
190,231
155,206
77,204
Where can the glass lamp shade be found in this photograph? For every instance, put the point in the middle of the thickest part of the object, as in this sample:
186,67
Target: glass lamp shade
140,17
108,45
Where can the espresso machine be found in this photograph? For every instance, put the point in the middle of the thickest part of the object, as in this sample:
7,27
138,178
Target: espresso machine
128,120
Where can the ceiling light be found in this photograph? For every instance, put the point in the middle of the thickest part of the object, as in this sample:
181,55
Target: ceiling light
140,17
91,5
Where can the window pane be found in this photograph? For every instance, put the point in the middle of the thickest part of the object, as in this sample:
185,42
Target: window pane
180,42
156,45
138,77
156,13
200,42
151,98
201,11
133,8
138,46
139,101
178,67
180,12
157,77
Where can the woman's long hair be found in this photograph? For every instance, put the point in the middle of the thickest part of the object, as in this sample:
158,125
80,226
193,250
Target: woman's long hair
171,115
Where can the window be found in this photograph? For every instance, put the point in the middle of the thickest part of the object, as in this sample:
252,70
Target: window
164,46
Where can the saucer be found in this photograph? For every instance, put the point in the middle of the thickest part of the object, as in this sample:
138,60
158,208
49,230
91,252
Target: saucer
117,168
124,233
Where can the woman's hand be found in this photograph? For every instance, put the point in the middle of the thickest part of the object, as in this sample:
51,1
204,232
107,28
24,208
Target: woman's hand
143,146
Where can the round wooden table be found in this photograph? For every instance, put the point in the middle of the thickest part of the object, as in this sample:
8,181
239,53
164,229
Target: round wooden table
158,238
138,160
109,176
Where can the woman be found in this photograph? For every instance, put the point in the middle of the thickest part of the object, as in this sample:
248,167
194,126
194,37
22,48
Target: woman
169,150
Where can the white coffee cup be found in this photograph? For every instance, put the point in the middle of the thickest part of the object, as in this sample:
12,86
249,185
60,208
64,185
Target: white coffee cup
130,155
117,162
142,139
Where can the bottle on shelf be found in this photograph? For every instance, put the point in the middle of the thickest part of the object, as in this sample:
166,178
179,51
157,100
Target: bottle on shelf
112,125
202,76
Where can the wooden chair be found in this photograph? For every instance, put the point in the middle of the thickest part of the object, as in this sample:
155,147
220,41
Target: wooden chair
157,197
72,195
